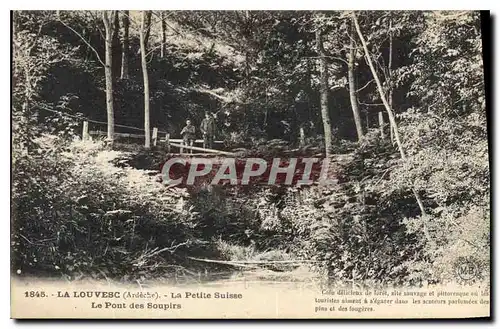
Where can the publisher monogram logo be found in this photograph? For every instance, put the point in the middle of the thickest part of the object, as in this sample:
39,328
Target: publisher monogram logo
467,270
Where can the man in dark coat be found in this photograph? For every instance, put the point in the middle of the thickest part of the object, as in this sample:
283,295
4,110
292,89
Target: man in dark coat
207,128
188,134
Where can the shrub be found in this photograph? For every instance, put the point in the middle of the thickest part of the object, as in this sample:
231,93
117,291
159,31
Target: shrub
76,212
353,230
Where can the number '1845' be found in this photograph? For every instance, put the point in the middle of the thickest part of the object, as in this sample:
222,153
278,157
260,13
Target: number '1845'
35,294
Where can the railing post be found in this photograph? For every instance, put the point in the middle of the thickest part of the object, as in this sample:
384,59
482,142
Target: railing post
167,140
155,135
85,132
302,137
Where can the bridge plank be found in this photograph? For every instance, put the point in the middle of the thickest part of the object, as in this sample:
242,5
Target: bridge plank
194,148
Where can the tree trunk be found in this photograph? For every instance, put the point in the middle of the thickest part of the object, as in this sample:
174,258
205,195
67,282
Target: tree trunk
142,36
116,45
389,85
108,26
392,119
27,98
309,89
125,44
381,124
391,129
147,27
116,26
352,89
163,35
327,128
14,45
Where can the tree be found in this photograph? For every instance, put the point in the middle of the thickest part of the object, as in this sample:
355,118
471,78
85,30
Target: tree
125,44
352,85
389,87
107,18
142,35
323,68
108,21
116,45
34,54
147,27
163,34
388,108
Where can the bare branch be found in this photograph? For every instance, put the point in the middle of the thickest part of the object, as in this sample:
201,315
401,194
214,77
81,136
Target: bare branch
155,48
443,16
82,38
206,91
172,28
152,56
337,58
333,57
366,85
101,32
155,13
371,104
171,249
30,48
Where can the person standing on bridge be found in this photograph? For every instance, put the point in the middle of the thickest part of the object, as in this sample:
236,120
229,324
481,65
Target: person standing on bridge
188,134
207,128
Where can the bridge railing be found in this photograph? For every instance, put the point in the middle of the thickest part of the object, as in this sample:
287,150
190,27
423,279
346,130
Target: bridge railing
155,139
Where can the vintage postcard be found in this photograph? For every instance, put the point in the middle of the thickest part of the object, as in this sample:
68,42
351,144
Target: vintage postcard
250,164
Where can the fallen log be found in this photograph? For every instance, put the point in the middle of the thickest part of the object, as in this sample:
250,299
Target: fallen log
256,262
221,262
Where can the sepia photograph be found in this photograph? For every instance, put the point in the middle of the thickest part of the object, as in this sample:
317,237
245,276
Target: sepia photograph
250,164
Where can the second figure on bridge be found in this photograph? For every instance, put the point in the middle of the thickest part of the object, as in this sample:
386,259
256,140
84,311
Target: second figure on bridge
188,134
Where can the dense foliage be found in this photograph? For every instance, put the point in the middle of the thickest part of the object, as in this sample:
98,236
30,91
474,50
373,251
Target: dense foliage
82,214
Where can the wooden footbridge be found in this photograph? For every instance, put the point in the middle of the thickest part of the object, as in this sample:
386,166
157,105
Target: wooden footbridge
167,143
156,140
